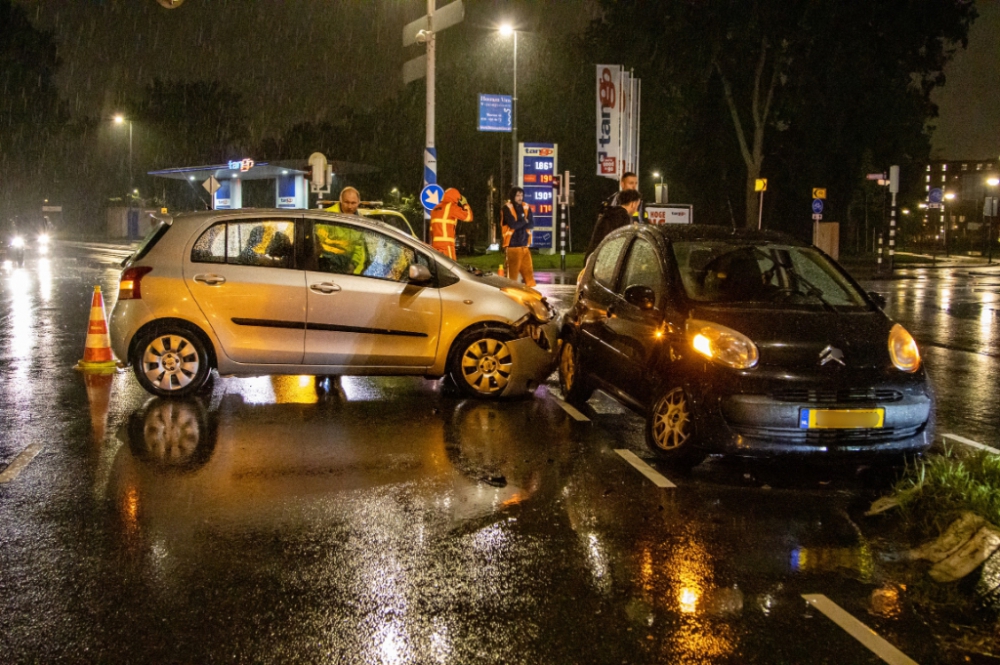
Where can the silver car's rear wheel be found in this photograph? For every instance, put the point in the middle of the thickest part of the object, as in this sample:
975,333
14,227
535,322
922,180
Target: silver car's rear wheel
170,362
670,428
482,363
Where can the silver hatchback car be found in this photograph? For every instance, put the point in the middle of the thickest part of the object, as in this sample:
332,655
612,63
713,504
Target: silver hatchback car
258,292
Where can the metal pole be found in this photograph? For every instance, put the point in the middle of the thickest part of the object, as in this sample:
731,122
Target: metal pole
989,241
513,139
430,152
131,182
760,211
892,234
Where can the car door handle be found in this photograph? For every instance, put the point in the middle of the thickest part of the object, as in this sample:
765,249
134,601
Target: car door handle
324,287
210,279
611,310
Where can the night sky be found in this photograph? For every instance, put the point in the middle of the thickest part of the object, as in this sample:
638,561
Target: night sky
297,60
969,103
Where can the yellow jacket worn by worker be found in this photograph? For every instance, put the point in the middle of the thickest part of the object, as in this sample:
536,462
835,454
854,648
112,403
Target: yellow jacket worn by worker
445,216
341,249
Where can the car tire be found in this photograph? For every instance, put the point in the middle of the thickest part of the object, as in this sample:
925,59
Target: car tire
575,388
670,429
171,361
481,362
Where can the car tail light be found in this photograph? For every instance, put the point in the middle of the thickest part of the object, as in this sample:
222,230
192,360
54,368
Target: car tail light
130,284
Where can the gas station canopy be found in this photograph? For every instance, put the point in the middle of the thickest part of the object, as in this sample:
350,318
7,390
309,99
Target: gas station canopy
289,177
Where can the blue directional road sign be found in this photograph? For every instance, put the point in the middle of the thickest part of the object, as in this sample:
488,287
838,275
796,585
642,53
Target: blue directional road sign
495,113
430,196
936,195
817,206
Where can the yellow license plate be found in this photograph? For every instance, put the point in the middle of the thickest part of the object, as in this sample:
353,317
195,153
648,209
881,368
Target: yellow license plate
841,418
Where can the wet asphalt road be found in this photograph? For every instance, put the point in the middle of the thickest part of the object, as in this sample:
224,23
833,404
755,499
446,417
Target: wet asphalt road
390,521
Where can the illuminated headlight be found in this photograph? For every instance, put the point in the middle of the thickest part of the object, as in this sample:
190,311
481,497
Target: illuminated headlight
534,302
43,239
903,349
18,241
722,345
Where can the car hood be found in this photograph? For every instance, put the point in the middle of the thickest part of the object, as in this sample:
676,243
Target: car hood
798,339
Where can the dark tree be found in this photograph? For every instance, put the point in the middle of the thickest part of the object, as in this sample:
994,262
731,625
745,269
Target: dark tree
802,88
31,113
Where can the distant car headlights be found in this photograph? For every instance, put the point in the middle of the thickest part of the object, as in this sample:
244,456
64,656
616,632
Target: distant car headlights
535,303
17,241
722,345
43,239
903,349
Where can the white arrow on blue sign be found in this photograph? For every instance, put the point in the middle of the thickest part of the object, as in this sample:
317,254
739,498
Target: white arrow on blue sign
817,206
430,196
936,195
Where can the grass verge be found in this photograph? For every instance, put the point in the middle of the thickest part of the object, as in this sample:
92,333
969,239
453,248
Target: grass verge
539,261
933,491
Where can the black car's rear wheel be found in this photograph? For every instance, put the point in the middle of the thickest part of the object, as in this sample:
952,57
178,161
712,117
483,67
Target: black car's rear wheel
573,384
670,429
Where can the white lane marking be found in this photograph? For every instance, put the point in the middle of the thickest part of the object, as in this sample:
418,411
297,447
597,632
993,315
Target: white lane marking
859,631
21,461
570,410
643,468
969,442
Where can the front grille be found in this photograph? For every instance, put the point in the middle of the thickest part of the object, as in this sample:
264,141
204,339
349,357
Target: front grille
828,437
834,396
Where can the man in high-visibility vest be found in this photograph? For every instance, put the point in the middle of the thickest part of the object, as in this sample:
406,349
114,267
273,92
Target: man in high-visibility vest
452,209
342,248
516,222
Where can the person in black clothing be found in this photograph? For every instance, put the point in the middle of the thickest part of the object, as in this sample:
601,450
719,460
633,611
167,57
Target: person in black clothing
629,181
613,218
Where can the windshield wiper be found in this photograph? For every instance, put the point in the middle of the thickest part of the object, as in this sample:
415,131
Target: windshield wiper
812,290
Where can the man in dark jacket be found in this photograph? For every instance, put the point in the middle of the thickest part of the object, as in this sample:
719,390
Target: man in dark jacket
613,218
629,181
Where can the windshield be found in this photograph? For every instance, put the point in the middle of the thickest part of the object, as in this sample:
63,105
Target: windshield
728,272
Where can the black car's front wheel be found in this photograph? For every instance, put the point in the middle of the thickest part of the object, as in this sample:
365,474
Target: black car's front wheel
482,363
670,428
171,361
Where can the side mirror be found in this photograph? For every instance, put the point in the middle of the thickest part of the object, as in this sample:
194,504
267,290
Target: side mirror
640,296
877,298
419,274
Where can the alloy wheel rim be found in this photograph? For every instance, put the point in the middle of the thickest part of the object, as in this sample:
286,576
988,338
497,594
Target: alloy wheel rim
170,362
671,420
487,366
567,367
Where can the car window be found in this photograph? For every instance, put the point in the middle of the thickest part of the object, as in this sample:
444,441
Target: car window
210,247
606,260
264,243
343,249
643,268
260,243
394,221
780,275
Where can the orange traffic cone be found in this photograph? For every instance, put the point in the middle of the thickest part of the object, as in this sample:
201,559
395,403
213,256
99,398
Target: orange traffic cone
97,355
500,271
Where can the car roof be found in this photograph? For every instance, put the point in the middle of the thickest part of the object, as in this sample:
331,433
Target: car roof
694,232
197,218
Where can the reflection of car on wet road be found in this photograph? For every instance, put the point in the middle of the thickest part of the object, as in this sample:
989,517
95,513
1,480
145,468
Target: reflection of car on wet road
258,292
742,343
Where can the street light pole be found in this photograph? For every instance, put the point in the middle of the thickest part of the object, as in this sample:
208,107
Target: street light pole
513,135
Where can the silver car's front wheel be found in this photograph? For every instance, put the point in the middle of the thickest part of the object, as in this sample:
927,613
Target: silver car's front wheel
170,362
482,363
